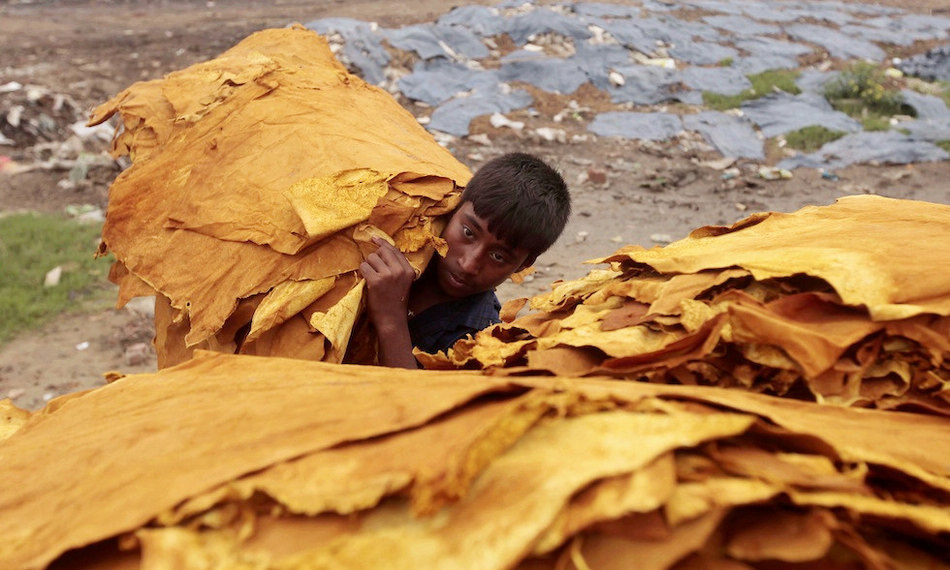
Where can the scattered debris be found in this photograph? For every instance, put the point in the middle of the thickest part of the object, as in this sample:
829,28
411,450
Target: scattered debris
549,134
53,276
498,120
774,173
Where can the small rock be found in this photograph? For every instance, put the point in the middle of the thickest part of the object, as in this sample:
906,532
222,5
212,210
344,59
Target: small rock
444,139
596,176
774,173
480,138
143,306
551,135
498,120
15,393
661,238
84,345
730,173
720,164
14,115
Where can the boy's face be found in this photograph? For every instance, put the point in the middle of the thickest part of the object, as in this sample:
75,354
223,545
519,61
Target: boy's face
477,260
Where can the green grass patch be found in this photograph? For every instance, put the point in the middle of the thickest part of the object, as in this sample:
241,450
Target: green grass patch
721,102
30,246
762,84
944,144
876,123
811,138
768,81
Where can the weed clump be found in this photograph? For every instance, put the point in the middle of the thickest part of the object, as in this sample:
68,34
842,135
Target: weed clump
863,91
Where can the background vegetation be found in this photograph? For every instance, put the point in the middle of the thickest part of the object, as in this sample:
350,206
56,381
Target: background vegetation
31,245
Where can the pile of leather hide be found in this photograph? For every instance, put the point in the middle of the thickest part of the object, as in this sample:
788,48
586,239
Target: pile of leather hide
232,461
847,304
257,182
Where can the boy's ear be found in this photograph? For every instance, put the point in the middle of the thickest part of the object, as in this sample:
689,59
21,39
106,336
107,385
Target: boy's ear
528,262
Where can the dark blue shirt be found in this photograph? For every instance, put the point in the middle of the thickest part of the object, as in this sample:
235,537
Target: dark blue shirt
438,327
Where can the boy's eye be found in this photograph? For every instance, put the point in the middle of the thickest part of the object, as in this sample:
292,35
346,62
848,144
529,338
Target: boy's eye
498,258
467,232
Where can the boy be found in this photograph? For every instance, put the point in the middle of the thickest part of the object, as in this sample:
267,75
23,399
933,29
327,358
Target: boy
512,210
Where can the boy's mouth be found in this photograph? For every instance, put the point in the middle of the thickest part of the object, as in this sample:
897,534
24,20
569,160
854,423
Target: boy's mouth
457,281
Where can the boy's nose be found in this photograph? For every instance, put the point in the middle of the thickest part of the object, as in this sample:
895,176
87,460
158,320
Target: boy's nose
468,261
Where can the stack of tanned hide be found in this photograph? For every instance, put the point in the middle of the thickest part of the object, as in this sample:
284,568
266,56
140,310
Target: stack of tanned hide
258,180
846,304
245,462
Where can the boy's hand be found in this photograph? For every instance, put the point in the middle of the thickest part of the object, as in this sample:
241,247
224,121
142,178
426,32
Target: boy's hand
388,276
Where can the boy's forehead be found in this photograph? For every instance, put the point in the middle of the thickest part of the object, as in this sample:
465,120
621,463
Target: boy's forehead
467,213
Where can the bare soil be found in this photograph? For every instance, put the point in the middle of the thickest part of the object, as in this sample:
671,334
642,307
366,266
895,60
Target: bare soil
624,192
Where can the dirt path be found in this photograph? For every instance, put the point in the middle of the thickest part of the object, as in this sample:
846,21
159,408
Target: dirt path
624,192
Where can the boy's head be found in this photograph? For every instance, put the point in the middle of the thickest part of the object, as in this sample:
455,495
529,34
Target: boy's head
524,201
512,210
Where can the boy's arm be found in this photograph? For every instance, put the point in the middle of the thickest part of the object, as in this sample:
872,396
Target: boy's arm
388,278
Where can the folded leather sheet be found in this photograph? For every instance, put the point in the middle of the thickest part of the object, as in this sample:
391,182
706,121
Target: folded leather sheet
267,166
232,461
844,304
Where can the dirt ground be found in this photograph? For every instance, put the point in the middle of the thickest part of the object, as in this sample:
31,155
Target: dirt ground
623,192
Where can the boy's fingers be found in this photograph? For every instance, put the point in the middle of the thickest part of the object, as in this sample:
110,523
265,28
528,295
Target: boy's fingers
385,246
366,270
392,256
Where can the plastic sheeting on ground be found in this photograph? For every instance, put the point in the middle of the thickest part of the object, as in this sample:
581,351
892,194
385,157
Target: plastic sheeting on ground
933,65
455,116
882,147
838,44
782,113
641,126
730,135
678,57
